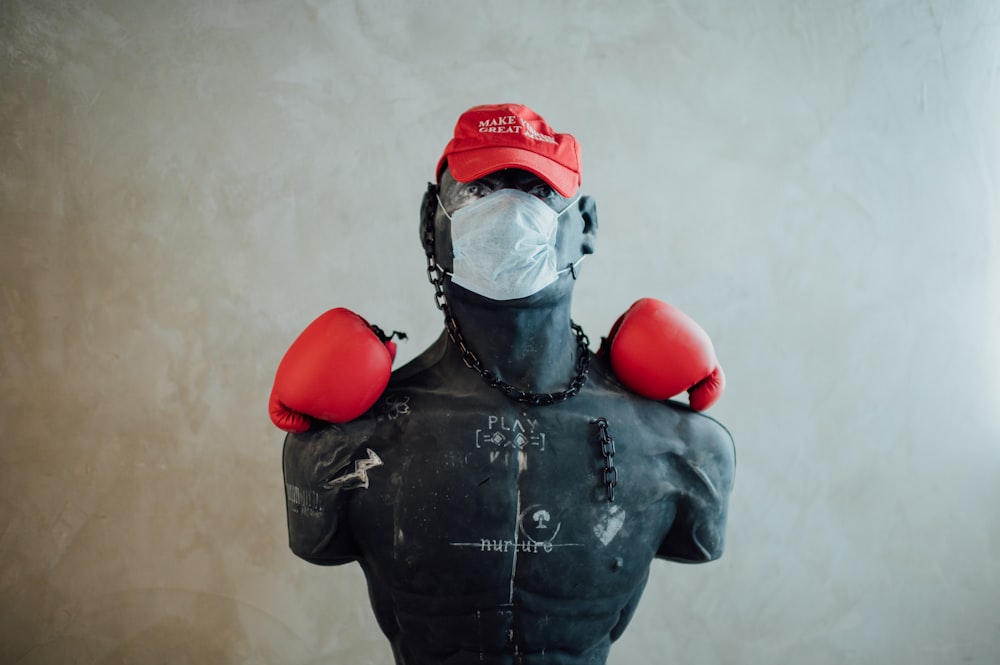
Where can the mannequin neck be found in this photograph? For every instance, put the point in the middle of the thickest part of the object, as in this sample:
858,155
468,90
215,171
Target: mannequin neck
528,343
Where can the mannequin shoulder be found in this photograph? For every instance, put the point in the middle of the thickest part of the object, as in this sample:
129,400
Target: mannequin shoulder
329,443
671,422
687,433
424,363
699,427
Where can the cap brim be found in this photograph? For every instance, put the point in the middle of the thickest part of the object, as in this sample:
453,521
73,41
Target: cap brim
469,165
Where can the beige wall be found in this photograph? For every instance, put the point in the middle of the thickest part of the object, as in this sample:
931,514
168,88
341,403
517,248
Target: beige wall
184,185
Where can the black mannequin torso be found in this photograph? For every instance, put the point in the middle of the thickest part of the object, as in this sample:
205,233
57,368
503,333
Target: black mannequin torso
484,525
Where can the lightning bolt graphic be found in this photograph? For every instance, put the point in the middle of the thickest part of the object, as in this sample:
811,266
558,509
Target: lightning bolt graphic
357,478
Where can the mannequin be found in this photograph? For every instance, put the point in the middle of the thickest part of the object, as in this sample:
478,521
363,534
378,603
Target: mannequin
506,493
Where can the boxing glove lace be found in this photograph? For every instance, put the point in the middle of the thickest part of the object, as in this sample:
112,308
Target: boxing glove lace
334,371
658,351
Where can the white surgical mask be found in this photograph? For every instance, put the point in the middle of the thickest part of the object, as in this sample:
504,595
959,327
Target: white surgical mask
504,245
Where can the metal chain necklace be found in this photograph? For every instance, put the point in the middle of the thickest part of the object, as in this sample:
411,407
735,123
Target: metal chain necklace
436,277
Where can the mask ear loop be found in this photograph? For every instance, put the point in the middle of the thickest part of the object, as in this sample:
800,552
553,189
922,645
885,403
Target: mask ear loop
440,204
571,267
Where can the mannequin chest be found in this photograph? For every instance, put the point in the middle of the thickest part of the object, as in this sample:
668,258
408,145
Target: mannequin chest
493,496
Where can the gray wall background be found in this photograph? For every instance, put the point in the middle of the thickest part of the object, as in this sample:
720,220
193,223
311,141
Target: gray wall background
185,184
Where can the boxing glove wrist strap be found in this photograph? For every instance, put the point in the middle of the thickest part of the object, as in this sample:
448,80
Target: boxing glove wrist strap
436,277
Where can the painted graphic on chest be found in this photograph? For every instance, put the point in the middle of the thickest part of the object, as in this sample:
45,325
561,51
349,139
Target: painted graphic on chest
536,534
502,434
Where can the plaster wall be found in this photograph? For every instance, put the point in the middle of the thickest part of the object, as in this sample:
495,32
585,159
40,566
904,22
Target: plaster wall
184,185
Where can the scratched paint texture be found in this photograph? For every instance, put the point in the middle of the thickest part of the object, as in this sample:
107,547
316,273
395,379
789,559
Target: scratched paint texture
184,185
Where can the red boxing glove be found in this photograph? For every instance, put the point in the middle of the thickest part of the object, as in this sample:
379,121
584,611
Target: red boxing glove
658,351
334,371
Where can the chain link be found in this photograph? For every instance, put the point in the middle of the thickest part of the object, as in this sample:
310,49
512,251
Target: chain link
608,450
436,277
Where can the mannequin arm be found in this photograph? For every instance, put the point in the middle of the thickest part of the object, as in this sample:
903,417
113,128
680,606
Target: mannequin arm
322,466
704,474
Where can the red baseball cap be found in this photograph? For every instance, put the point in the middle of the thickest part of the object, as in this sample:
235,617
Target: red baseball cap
492,137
